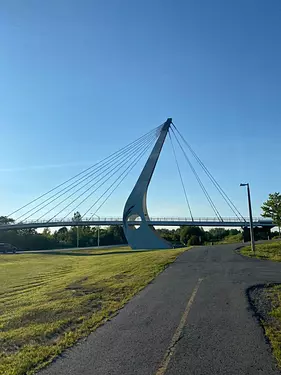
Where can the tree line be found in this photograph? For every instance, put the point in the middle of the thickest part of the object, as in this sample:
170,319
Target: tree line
193,235
30,239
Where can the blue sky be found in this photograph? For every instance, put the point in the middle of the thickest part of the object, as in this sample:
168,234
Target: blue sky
80,79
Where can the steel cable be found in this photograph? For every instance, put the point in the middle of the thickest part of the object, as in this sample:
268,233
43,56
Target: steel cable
213,180
88,169
128,169
179,171
114,172
89,175
199,180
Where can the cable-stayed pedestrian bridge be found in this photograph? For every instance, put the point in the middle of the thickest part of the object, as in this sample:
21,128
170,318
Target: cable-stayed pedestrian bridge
155,221
84,194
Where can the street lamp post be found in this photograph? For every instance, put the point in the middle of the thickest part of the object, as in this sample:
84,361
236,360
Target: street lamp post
76,218
98,229
251,217
77,236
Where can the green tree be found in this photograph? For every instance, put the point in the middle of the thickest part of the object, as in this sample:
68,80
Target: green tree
170,235
233,232
187,232
27,231
6,220
47,233
272,208
218,234
116,231
194,240
77,216
62,235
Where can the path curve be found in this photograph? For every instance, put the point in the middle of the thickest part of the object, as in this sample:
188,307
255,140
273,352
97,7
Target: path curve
194,319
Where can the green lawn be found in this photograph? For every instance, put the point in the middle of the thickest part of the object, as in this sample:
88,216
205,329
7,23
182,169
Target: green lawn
271,251
49,301
273,325
235,238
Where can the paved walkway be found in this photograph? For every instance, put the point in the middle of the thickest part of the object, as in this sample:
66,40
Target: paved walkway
194,319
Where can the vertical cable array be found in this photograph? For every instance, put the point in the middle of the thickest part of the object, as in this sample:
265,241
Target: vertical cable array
180,175
209,199
212,179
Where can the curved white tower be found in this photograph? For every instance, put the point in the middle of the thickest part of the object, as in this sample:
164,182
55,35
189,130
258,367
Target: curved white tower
143,235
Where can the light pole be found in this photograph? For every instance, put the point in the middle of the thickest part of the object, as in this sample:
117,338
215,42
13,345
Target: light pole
76,218
77,236
98,229
251,217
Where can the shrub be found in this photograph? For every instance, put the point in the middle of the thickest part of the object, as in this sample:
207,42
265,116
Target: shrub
194,240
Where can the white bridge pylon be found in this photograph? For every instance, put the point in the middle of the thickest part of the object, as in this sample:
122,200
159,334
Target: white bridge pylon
143,235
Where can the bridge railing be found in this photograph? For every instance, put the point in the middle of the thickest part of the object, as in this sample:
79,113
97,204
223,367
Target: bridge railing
158,219
205,219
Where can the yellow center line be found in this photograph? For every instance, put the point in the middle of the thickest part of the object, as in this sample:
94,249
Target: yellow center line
172,347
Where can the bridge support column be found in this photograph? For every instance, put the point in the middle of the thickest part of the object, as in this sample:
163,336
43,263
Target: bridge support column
260,233
142,235
246,234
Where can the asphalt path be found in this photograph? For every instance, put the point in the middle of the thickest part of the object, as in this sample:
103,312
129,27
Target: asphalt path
194,319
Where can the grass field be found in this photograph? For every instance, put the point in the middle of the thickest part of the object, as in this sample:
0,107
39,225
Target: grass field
235,238
49,301
271,251
273,325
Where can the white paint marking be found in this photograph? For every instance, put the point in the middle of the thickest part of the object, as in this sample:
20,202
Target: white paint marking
172,347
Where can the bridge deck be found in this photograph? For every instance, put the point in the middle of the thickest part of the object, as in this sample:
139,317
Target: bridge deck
165,222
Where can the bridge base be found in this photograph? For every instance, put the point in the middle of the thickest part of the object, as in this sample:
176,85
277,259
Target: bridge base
144,237
260,233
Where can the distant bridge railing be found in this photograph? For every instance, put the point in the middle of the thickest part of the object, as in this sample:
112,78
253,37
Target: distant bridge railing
171,218
157,221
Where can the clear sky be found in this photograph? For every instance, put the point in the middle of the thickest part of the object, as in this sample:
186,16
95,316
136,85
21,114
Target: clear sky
80,79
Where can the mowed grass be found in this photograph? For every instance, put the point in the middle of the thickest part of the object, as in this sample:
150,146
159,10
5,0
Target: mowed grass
49,301
235,238
273,325
271,251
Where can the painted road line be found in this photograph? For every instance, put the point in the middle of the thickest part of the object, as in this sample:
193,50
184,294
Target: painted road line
172,347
